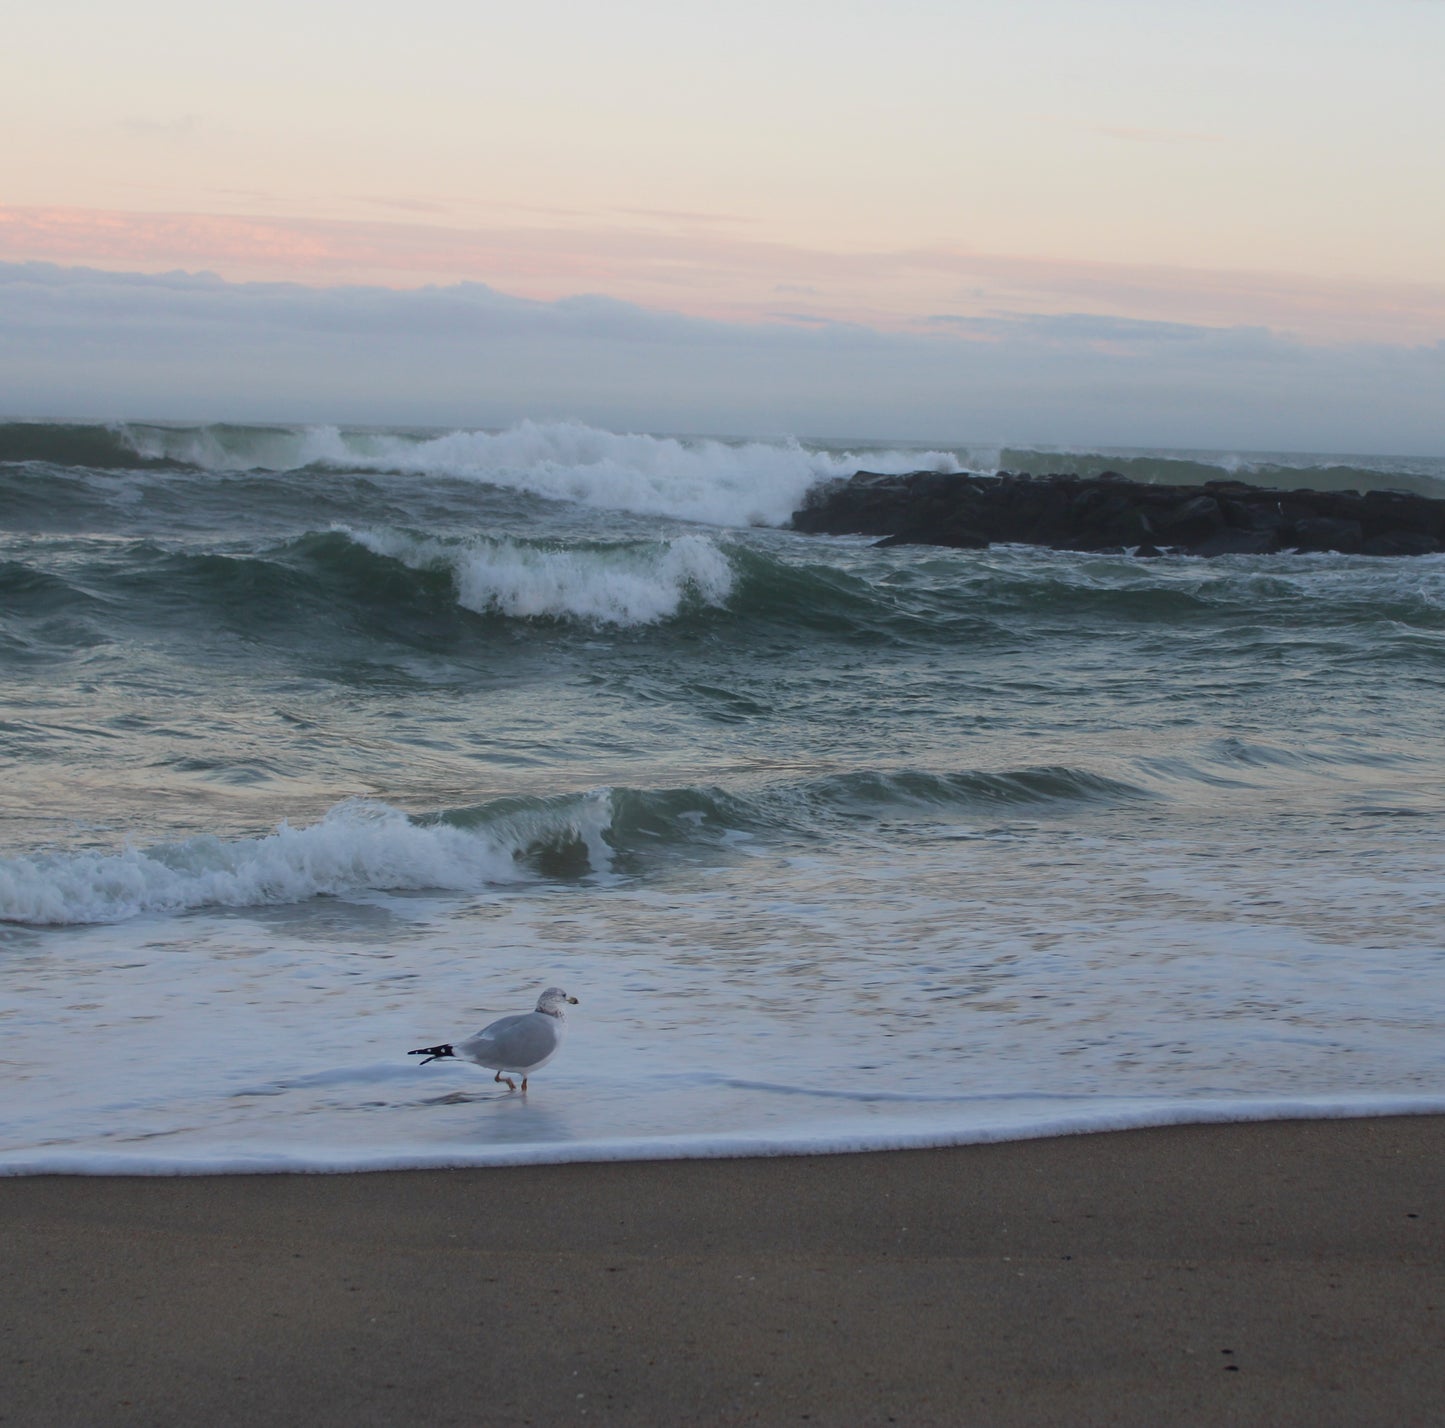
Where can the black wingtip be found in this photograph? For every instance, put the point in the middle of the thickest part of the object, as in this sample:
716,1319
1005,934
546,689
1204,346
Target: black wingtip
433,1053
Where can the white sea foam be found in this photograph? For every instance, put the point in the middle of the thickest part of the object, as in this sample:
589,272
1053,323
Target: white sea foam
637,584
988,1125
753,483
358,845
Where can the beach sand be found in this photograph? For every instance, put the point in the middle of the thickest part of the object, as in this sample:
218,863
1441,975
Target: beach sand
1280,1273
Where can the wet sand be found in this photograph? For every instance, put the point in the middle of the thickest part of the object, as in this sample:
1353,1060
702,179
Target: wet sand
1285,1273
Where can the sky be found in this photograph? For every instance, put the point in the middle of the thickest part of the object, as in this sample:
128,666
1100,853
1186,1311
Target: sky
1205,224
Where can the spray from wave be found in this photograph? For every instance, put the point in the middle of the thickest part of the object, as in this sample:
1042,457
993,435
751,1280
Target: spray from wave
753,483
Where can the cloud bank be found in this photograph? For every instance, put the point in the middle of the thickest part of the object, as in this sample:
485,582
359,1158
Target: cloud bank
192,346
707,265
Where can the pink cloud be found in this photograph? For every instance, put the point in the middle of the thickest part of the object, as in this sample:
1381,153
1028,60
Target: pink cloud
705,272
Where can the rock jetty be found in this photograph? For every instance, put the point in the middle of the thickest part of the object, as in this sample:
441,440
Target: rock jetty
1110,513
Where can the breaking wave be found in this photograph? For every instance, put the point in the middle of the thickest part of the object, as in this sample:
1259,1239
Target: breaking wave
637,583
366,845
709,480
360,845
716,482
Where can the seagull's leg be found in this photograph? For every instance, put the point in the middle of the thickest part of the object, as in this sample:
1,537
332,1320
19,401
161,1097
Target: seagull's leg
524,1085
511,1084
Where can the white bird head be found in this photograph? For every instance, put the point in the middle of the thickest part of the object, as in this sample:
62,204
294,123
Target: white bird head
553,1000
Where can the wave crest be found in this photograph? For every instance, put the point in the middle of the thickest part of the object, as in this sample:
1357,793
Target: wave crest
366,845
359,845
637,583
715,482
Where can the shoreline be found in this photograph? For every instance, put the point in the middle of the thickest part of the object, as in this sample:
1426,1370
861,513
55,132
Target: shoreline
1258,1272
1118,1117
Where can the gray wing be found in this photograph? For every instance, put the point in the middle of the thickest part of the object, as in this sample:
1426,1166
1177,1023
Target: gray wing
514,1042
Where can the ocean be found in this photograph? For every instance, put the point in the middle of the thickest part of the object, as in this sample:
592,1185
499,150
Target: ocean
321,745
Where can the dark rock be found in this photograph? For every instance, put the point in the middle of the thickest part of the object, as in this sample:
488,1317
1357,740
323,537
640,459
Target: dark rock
1193,520
1401,543
1316,533
1242,516
1109,512
1127,526
1238,542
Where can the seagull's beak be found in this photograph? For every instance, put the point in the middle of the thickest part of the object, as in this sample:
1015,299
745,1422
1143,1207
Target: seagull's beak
572,1000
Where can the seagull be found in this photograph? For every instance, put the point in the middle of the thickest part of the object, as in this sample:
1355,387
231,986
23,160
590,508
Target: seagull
520,1044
